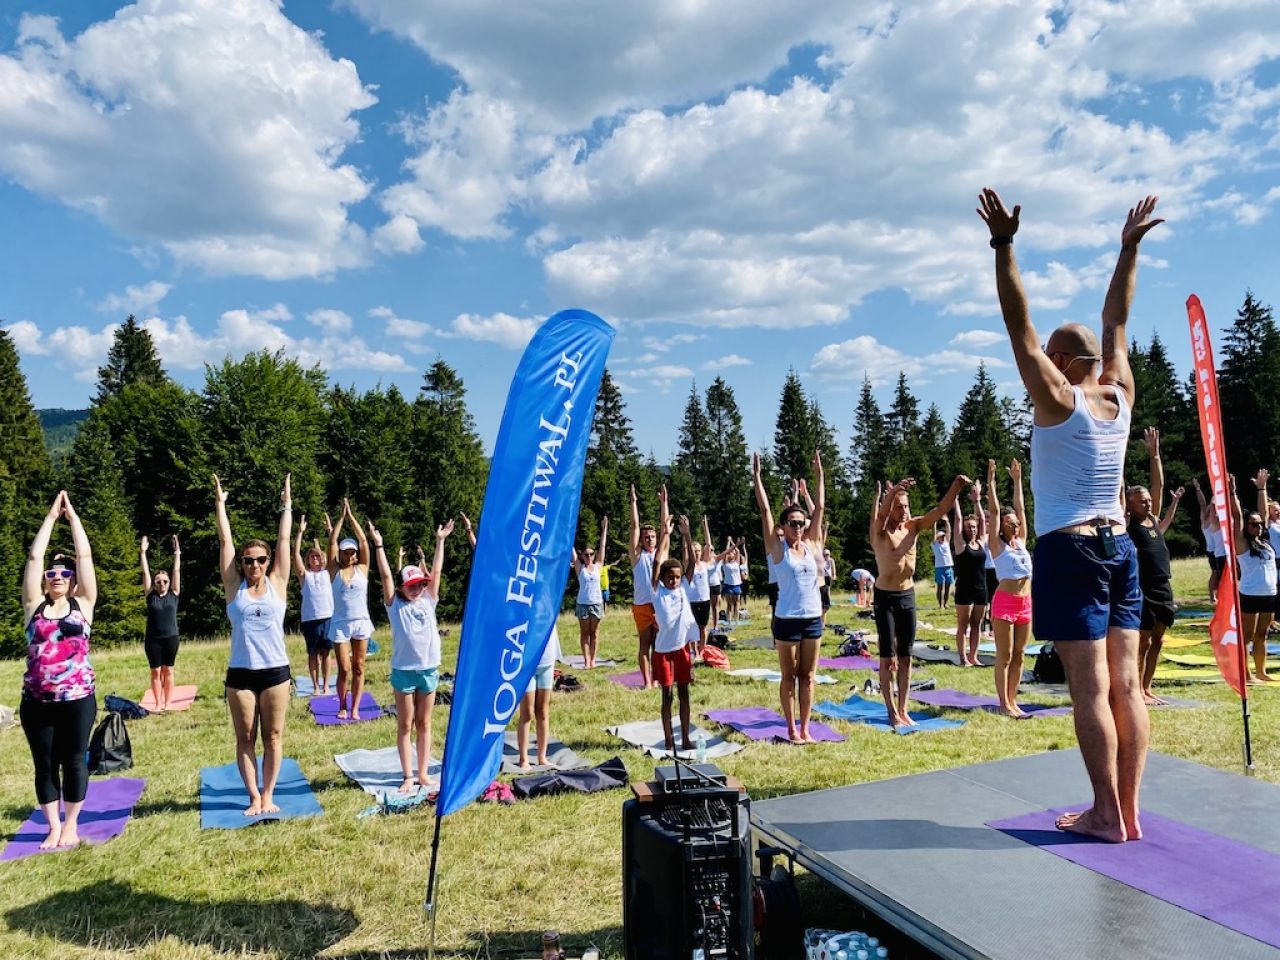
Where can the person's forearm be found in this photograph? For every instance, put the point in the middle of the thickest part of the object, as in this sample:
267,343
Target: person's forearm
1012,296
1115,308
176,576
437,562
283,537
1157,481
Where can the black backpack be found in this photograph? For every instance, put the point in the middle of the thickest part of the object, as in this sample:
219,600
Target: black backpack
1048,666
109,748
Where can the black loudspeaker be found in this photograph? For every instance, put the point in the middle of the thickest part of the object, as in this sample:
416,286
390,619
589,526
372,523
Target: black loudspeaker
686,875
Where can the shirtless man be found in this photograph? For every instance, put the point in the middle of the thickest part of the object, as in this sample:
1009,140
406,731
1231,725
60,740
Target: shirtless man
643,543
894,535
1085,595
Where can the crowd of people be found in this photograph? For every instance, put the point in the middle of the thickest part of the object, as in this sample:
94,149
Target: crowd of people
1097,584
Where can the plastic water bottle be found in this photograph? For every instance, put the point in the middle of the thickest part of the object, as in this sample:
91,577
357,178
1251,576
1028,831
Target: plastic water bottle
700,741
863,955
872,943
882,953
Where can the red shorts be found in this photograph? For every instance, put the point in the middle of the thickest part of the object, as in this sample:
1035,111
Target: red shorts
670,668
1011,607
644,616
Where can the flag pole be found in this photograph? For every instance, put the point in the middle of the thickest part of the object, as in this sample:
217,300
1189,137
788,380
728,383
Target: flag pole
1243,666
430,903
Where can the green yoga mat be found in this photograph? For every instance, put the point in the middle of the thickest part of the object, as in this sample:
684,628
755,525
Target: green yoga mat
1197,660
1197,674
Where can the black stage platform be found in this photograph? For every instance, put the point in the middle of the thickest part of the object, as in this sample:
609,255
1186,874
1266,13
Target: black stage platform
915,851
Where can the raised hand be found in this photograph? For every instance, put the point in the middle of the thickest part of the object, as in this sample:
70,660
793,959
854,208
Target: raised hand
466,523
662,495
633,494
219,494
177,548
1015,470
1151,440
144,544
1139,223
302,525
1177,494
346,509
286,495
1000,221
1260,481
445,529
817,464
328,525
374,536
755,466
991,473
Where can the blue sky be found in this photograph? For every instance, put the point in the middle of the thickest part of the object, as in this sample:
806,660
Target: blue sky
741,188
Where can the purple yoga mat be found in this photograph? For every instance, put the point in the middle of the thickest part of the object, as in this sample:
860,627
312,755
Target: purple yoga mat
631,681
107,808
959,700
849,663
1212,876
761,723
325,710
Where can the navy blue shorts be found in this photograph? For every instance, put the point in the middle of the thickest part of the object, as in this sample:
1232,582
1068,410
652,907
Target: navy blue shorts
1078,593
315,633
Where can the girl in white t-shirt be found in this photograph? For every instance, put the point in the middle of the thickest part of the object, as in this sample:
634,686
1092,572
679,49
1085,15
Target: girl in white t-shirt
677,628
415,653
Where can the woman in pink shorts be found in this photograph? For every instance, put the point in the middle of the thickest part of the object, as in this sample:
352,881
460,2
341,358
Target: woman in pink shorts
1011,603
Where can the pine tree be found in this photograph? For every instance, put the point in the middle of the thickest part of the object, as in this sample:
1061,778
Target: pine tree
690,471
1249,390
869,448
131,359
794,438
13,530
726,487
903,419
95,486
613,464
980,432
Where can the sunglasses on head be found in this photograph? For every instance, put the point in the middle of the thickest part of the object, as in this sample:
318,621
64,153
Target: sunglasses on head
253,560
58,573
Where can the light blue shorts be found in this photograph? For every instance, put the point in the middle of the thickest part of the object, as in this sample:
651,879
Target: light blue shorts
415,681
544,679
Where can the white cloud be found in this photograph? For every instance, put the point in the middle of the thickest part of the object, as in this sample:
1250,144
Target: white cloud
671,341
978,338
865,356
410,333
136,300
398,235
500,328
723,363
213,128
660,376
330,321
26,337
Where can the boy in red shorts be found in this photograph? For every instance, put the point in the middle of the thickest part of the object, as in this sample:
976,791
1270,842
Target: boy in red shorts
677,628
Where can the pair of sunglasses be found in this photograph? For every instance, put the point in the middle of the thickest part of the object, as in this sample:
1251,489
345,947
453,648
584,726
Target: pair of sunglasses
59,573
253,560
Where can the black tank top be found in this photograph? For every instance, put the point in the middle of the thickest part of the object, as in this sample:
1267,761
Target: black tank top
970,563
1153,554
162,615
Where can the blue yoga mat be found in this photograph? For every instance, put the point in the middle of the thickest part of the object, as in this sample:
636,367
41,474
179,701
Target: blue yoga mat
223,797
875,714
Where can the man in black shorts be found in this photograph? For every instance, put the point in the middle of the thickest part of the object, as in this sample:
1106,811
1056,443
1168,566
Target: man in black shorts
894,535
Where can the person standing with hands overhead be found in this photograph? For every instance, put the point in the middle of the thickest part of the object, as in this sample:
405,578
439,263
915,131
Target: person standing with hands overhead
677,629
1011,599
589,607
1257,560
258,676
161,639
643,542
1085,596
350,628
317,607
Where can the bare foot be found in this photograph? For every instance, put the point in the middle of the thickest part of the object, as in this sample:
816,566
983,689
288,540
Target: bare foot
524,763
268,806
809,737
55,834
1092,825
407,786
1011,713
254,808
70,837
687,745
1132,829
1152,700
543,762
355,715
424,785
906,719
342,714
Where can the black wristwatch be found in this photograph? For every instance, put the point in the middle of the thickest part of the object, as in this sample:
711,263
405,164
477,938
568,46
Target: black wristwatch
998,242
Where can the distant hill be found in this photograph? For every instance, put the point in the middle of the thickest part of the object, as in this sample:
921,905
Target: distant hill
60,429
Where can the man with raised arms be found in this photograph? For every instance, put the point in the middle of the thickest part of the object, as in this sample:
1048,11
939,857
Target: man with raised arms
894,535
643,542
1085,594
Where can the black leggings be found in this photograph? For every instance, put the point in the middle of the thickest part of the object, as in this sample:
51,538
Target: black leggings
58,733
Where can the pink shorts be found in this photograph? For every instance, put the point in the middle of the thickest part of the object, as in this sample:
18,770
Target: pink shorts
1011,607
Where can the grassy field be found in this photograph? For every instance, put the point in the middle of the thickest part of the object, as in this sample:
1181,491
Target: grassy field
336,886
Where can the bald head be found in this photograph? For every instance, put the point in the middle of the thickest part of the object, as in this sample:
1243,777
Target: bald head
1073,348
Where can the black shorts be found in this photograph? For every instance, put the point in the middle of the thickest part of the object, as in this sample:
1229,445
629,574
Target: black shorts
315,633
895,612
715,589
795,629
970,594
160,651
1157,607
1217,564
825,592
773,595
701,611
1254,603
256,681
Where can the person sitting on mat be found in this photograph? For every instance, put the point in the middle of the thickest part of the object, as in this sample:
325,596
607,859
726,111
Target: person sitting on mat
317,608
672,661
894,535
1085,596
160,642
258,675
797,619
415,650
536,704
350,628
59,700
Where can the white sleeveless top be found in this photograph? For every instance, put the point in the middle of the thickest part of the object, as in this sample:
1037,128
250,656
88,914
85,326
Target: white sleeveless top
350,598
1258,574
589,584
317,595
415,636
1077,467
1214,544
698,587
942,554
732,575
676,625
798,595
1013,563
713,574
642,574
257,630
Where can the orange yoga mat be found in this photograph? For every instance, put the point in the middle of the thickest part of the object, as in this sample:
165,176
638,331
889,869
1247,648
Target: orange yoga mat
181,700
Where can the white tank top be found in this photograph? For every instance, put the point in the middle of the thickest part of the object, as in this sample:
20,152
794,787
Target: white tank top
1077,467
1013,563
350,598
589,584
770,566
942,554
676,625
317,595
798,595
713,574
257,630
698,587
732,575
415,636
1258,574
1273,534
643,578
1214,544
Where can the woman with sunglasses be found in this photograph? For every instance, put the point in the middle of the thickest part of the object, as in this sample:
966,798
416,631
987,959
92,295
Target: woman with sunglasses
969,557
58,693
797,620
351,627
258,676
1257,561
160,642
590,603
